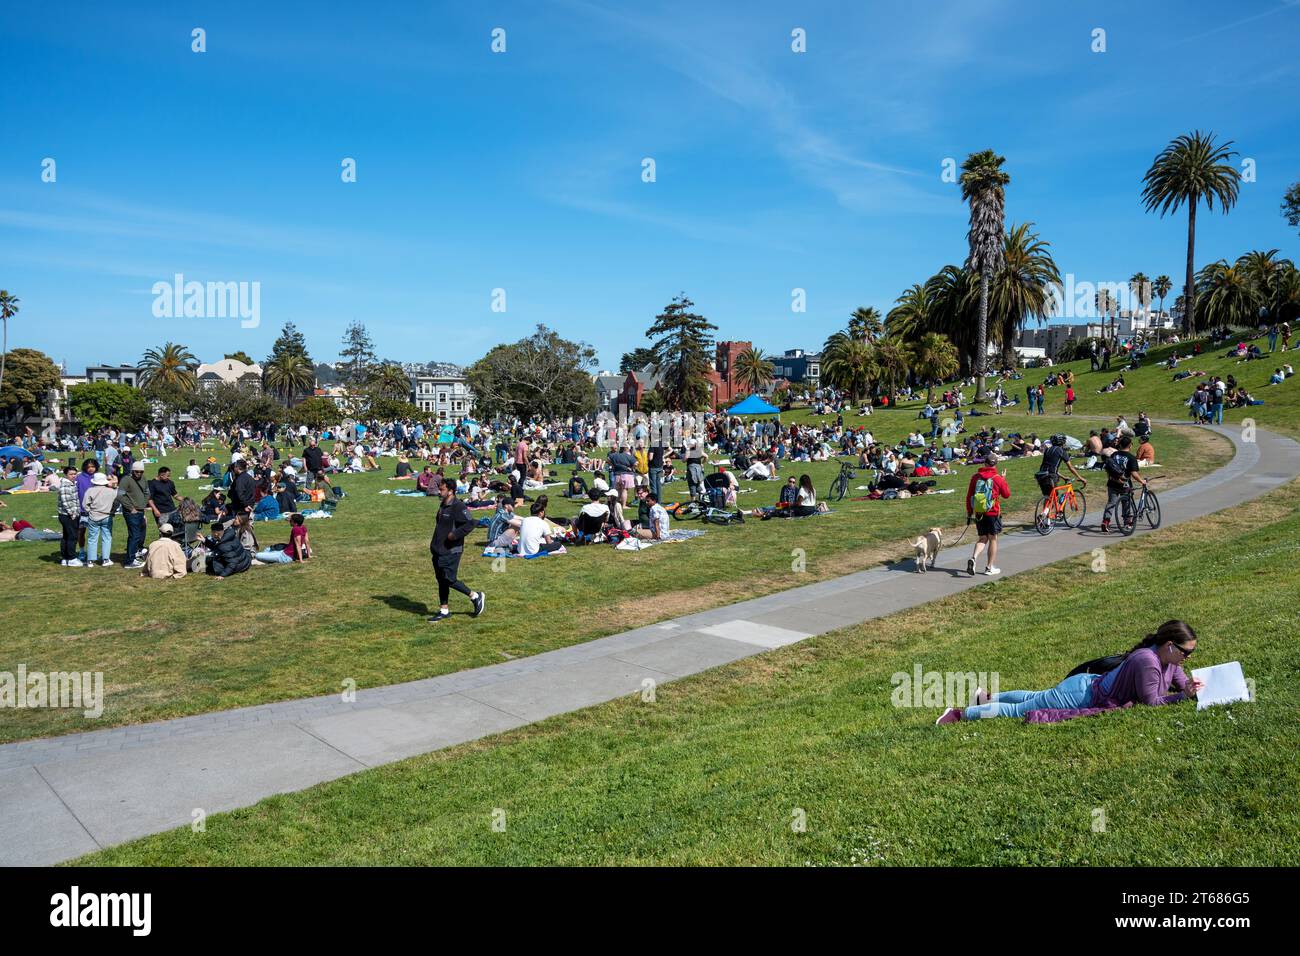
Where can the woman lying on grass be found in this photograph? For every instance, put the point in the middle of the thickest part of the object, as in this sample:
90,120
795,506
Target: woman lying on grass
1146,676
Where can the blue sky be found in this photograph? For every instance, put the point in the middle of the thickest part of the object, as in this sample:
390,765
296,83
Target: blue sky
522,170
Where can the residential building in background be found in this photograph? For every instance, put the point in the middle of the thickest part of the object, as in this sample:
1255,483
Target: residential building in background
229,372
799,368
117,374
445,394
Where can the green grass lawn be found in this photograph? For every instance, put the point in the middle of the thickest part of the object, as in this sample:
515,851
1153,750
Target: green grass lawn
715,770
1153,390
358,610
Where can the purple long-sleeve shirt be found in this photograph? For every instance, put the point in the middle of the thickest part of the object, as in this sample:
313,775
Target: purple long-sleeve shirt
1141,679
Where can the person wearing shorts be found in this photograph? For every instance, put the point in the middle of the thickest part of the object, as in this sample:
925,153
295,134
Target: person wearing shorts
989,524
1069,400
622,468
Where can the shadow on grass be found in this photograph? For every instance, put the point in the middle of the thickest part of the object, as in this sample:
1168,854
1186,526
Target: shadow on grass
399,602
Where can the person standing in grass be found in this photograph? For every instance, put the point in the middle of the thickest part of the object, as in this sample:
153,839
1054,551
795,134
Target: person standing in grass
99,503
1069,399
133,498
69,518
983,503
1151,674
453,525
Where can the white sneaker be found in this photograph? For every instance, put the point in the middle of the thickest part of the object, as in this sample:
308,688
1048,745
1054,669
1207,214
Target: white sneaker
990,570
134,565
75,563
106,563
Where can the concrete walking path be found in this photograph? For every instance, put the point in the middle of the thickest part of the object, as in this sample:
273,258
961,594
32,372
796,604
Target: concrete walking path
65,796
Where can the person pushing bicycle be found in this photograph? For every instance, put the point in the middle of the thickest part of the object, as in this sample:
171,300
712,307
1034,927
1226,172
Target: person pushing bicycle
1121,468
1056,455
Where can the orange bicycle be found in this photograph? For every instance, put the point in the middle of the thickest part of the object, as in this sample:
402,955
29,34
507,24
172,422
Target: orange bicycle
1064,506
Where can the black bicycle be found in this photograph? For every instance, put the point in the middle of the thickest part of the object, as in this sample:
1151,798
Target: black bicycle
840,484
1145,508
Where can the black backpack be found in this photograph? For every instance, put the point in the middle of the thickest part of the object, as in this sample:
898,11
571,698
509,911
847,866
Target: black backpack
1100,665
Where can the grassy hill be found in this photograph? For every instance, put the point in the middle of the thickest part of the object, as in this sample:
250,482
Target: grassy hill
715,771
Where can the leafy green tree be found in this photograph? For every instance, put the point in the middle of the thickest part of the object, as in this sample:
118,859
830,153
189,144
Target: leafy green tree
683,355
1192,169
865,324
229,404
636,360
542,375
1225,296
848,364
316,413
1291,205
241,356
1021,289
892,358
983,187
910,317
358,353
169,368
30,379
99,404
290,342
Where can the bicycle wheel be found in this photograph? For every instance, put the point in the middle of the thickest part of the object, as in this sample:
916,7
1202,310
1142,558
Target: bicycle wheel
1074,511
1152,510
839,487
1043,519
1125,526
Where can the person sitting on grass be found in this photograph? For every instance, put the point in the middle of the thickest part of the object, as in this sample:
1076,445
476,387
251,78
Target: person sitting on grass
228,553
299,540
166,559
657,529
1277,378
593,516
535,533
1151,674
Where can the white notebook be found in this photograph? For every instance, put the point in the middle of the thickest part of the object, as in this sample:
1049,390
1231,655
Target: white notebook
1224,684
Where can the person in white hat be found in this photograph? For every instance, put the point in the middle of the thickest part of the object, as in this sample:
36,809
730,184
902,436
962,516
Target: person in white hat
166,559
98,505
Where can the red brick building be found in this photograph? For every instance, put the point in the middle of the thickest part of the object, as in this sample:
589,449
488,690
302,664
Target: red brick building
723,387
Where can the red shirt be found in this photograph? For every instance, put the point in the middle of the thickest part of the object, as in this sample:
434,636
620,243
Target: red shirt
1069,394
1000,487
297,536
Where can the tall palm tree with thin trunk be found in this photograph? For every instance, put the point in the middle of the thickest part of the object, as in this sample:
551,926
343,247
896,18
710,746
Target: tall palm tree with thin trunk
1161,288
983,183
8,309
752,369
1192,169
1022,288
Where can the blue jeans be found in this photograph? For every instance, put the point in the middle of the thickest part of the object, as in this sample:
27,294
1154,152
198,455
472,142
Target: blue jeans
1072,692
1272,342
134,534
96,531
656,481
272,556
1218,413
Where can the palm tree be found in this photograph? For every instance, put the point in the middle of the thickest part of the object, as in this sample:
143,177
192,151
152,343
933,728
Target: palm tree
953,296
1265,271
8,309
1288,296
1161,288
1191,169
1226,296
170,368
935,359
893,357
847,364
752,369
864,324
389,381
982,186
1022,287
1139,287
910,317
1106,301
289,374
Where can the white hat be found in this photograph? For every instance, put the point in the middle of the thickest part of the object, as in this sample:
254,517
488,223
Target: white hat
99,479
137,466
164,528
237,456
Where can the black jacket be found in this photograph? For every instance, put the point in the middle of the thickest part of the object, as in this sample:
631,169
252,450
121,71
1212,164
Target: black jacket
242,492
228,555
452,528
314,458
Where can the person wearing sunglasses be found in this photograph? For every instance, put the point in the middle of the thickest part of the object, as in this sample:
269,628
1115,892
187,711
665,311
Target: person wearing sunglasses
1151,674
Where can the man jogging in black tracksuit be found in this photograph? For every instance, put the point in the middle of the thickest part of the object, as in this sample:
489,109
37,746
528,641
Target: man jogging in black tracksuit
449,533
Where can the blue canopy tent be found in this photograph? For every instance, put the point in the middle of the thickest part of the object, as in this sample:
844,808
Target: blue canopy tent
18,451
753,406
